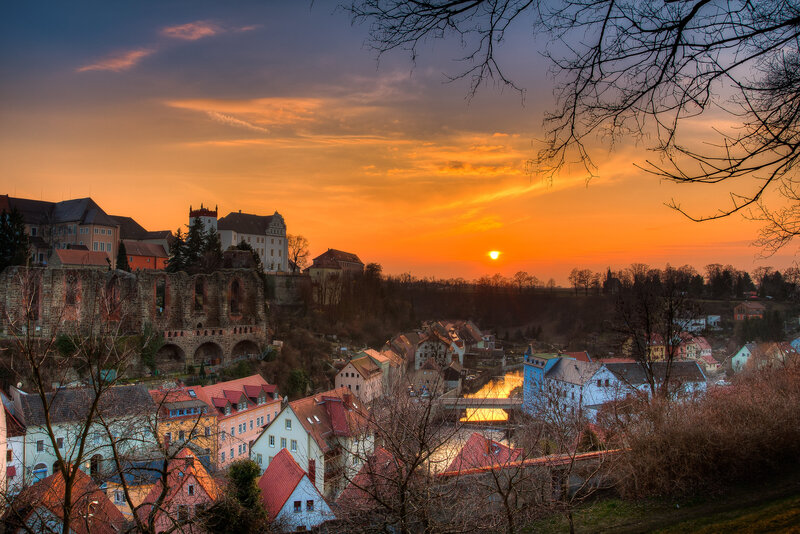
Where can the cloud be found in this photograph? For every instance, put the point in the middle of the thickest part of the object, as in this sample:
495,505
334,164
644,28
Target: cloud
191,31
233,121
119,61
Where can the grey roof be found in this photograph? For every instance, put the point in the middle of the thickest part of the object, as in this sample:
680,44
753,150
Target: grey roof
634,373
32,211
129,228
245,223
67,405
573,371
83,210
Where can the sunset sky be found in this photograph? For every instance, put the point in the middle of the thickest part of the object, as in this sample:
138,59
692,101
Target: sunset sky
150,107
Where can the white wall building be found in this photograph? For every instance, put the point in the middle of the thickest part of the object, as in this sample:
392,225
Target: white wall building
265,233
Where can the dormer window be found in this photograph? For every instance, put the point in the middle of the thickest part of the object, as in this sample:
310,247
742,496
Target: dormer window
242,406
262,399
228,409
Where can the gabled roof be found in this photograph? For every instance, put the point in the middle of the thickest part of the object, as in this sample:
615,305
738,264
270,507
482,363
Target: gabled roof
140,248
332,258
573,371
279,482
582,355
480,451
176,398
184,468
247,223
68,405
82,257
634,374
49,493
333,413
365,367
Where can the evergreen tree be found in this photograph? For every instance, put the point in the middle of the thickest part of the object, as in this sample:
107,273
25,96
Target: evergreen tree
195,244
14,245
212,250
241,509
122,258
177,259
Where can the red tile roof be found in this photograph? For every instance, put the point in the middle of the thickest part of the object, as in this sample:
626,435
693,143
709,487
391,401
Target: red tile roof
279,481
365,367
334,412
82,257
480,451
139,248
49,493
581,356
219,394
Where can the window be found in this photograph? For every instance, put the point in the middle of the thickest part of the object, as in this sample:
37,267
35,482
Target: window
94,246
251,424
9,455
228,409
231,453
283,443
288,424
223,456
167,437
40,445
606,382
182,435
294,445
190,489
223,436
119,497
258,459
309,506
60,443
39,472
599,382
233,431
208,431
272,441
298,505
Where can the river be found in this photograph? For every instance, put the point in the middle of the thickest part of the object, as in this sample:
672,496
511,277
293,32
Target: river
497,388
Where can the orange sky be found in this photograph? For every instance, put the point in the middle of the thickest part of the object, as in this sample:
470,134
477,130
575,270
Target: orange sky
179,108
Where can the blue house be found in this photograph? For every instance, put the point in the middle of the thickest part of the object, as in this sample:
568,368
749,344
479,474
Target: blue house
535,366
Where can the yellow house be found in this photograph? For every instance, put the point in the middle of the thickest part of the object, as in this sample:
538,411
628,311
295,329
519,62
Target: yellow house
185,419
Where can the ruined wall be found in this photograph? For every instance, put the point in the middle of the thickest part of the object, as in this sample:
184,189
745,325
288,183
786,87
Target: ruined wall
287,289
228,302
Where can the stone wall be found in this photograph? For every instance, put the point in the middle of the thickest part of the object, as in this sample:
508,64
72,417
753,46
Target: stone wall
228,302
287,289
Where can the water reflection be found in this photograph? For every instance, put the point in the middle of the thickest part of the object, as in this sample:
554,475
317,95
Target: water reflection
497,388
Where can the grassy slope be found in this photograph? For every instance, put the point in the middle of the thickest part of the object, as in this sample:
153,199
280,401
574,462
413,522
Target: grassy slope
767,507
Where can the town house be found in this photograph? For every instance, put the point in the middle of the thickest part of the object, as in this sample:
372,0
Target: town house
362,376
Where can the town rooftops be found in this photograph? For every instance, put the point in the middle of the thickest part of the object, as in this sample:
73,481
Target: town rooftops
82,210
247,223
81,257
573,371
279,482
231,392
634,374
582,356
68,405
333,413
48,493
480,451
333,259
177,399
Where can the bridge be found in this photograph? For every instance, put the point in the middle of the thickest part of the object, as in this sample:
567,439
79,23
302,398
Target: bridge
477,403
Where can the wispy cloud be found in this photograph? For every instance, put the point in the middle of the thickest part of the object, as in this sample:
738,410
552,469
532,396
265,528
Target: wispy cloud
192,31
119,61
233,121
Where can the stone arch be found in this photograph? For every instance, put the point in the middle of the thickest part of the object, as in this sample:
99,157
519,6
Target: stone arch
170,357
209,352
245,348
39,472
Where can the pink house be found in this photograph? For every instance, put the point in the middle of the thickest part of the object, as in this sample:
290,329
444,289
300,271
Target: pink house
190,490
243,408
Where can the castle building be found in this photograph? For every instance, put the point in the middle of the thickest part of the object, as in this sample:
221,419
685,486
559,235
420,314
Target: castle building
206,215
265,233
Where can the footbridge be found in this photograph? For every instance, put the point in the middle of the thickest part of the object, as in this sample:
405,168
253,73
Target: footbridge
475,403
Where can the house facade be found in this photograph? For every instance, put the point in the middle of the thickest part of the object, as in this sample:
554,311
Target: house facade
748,310
361,376
326,434
242,407
265,233
292,501
183,418
739,360
143,255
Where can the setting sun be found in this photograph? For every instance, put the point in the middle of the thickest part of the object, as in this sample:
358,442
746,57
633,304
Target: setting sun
494,254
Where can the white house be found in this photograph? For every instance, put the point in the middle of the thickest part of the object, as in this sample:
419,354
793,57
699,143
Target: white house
739,359
363,377
265,233
129,410
292,501
439,347
326,433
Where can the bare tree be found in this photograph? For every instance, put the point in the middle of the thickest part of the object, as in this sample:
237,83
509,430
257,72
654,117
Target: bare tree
650,70
298,251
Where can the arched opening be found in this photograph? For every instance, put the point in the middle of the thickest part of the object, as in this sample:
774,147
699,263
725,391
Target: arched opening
161,297
71,289
39,472
235,298
56,466
245,349
95,464
199,295
170,357
209,353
